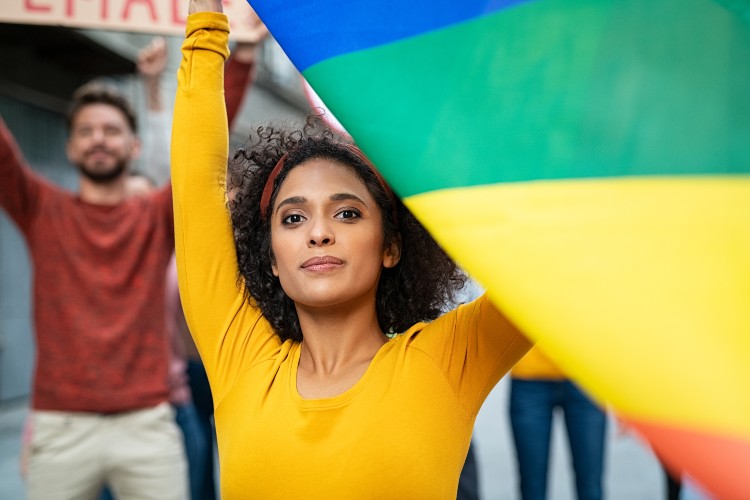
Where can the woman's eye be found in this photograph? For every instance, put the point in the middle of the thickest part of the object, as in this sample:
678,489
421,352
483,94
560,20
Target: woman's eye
292,219
348,214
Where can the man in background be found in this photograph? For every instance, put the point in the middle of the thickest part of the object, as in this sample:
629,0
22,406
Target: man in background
100,410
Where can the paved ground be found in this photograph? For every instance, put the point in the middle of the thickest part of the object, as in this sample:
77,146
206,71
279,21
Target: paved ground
632,473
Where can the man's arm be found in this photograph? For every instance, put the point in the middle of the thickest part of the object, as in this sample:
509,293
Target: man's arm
240,70
239,73
19,186
152,60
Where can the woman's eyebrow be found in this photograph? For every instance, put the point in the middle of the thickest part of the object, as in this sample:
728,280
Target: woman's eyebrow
346,196
294,200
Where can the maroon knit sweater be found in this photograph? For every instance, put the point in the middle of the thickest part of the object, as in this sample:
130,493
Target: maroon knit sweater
98,291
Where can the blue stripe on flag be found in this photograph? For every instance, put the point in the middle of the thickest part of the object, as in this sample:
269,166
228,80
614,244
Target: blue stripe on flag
312,31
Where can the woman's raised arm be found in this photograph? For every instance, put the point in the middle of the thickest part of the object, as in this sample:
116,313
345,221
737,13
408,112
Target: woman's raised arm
206,261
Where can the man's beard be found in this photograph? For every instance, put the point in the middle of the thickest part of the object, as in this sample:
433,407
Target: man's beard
104,176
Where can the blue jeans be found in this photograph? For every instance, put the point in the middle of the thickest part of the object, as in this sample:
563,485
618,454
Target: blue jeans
198,448
468,482
531,408
204,406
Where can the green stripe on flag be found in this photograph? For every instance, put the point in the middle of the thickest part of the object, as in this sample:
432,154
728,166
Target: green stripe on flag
552,90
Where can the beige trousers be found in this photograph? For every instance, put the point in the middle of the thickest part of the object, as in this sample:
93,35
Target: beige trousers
138,454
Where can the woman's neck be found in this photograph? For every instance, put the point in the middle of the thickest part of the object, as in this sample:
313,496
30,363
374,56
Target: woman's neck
337,338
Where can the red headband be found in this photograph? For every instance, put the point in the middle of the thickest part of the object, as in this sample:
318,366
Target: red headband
265,198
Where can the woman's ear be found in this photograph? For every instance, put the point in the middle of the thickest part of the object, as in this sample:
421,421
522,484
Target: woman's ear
392,253
274,267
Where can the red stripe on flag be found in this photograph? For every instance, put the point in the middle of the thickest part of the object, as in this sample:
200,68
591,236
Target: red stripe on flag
719,464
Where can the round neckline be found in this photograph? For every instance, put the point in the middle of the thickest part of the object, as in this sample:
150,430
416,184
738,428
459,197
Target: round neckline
339,399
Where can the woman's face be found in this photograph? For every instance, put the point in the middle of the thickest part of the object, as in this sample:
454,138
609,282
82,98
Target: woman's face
327,236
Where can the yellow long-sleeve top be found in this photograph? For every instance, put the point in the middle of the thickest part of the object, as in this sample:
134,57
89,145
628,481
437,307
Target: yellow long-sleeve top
402,431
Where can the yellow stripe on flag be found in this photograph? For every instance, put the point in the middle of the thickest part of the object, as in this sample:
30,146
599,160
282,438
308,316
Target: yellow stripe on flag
638,287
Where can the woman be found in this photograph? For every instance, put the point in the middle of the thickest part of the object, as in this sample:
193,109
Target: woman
312,399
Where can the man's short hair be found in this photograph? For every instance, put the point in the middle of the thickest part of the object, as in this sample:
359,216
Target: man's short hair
101,93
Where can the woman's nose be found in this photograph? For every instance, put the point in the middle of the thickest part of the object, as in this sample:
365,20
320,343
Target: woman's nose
320,233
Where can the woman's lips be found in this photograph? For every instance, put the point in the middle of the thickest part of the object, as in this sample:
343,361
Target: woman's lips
325,263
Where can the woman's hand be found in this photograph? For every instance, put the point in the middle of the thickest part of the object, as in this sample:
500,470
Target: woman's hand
205,6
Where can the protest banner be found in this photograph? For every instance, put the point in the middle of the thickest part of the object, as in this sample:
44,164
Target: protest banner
166,17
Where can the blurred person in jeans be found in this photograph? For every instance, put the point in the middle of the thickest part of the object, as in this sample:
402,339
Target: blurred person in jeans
537,388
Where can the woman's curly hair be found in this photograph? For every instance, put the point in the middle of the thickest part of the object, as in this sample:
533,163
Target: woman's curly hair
418,288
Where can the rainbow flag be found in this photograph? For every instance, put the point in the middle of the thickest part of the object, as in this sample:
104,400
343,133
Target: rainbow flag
588,162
